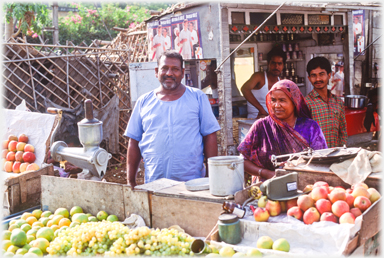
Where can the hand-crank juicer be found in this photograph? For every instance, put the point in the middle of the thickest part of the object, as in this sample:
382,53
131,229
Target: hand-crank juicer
89,157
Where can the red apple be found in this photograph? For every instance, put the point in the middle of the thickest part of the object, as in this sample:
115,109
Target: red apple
362,203
304,202
23,167
261,214
360,191
29,157
23,138
12,138
356,212
323,205
374,195
29,147
349,191
340,207
5,144
12,146
32,167
319,193
311,215
295,212
4,153
291,203
19,156
8,166
20,146
337,194
361,184
16,167
347,218
307,188
321,184
350,199
10,156
328,216
273,208
330,188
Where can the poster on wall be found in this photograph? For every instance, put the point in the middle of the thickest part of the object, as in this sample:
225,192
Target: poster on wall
181,33
358,31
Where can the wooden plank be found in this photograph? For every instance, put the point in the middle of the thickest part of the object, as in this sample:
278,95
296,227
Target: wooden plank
92,196
351,245
14,197
23,189
28,175
197,218
371,220
137,202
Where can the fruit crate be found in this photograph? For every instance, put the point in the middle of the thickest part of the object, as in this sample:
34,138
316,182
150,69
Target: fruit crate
365,242
23,190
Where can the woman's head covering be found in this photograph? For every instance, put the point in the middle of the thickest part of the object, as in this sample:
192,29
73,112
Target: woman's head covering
294,93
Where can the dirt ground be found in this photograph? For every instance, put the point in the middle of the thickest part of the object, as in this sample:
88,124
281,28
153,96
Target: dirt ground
118,174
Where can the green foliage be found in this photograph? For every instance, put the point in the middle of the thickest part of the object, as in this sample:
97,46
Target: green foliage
33,16
88,23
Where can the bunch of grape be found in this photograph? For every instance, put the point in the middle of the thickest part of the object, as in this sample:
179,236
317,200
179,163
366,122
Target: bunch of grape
113,239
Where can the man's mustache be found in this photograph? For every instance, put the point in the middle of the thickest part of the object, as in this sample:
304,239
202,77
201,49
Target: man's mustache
165,77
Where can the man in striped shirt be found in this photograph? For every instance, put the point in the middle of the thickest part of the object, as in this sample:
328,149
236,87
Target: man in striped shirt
327,109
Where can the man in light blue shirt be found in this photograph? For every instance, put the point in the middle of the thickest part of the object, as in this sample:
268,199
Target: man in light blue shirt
172,127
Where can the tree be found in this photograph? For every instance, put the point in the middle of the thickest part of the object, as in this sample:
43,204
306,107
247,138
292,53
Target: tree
30,18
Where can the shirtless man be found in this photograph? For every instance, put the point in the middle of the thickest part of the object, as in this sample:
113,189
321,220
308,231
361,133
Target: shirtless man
257,87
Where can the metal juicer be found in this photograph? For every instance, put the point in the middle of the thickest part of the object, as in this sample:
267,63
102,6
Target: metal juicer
89,157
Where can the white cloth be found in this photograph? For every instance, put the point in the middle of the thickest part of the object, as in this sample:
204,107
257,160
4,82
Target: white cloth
357,169
186,51
177,47
167,42
357,28
260,95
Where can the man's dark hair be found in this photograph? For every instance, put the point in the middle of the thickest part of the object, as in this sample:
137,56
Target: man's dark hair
171,54
321,62
72,139
276,51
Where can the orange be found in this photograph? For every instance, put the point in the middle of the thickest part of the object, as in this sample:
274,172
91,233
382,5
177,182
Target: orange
31,220
26,215
37,213
54,227
13,226
46,233
64,222
62,211
42,244
49,223
56,219
44,221
37,224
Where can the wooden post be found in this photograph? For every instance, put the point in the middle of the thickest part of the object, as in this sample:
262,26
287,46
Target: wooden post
55,22
98,78
33,84
67,72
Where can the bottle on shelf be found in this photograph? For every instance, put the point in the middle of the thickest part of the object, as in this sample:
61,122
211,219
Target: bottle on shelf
233,208
292,70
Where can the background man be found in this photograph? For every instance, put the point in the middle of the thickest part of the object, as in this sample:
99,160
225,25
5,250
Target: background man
326,108
172,127
357,29
338,80
167,39
256,88
177,40
158,44
194,38
186,41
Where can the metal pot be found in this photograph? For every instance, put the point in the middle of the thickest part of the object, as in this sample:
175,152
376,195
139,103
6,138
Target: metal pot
355,101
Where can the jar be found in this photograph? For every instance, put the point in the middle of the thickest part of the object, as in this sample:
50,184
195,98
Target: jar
234,208
229,229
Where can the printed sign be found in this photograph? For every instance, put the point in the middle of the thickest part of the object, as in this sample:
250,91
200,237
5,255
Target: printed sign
358,31
180,33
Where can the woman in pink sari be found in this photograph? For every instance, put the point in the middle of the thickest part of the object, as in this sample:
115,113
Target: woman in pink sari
289,128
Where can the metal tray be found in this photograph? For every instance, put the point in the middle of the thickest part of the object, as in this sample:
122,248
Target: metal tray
332,155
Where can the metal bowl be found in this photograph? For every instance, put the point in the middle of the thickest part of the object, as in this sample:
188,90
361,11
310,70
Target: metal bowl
355,101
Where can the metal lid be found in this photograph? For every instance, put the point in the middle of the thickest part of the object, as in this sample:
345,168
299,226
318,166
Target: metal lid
197,184
228,218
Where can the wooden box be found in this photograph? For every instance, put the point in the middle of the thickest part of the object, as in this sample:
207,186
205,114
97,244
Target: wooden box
24,190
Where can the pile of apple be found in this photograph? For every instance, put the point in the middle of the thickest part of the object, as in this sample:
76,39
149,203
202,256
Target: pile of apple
18,155
323,203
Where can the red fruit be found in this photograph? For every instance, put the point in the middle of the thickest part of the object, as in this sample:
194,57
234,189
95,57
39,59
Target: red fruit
319,193
19,156
32,167
5,144
29,157
291,203
10,156
349,199
340,207
337,194
8,166
328,216
323,205
29,147
12,138
23,138
23,166
16,167
4,153
12,146
356,211
304,202
311,215
321,184
295,212
347,218
20,146
362,203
